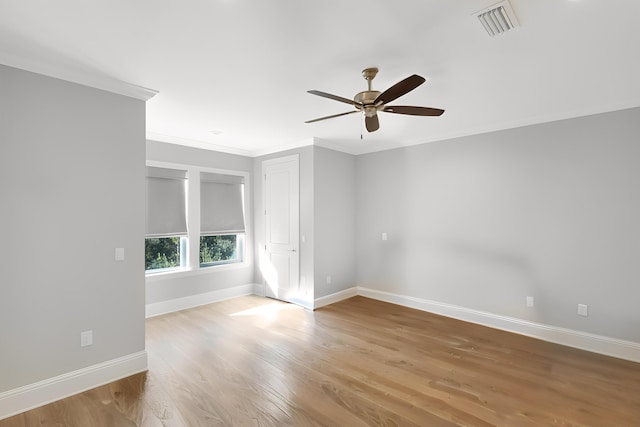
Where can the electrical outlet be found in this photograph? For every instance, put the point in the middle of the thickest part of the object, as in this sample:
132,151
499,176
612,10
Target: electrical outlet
384,236
583,310
86,338
119,254
328,279
529,301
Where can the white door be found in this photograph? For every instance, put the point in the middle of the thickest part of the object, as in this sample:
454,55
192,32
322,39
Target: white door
281,258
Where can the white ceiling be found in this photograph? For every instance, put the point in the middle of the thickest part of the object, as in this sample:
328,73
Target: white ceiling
243,67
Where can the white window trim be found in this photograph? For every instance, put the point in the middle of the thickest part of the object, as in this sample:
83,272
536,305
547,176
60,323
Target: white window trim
193,222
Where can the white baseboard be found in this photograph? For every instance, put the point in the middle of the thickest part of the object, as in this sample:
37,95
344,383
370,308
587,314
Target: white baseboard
31,396
595,343
177,304
338,296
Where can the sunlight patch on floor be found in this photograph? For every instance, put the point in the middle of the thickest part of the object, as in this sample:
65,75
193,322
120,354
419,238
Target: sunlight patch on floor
268,311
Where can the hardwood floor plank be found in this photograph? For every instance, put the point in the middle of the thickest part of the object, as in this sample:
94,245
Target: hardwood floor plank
253,361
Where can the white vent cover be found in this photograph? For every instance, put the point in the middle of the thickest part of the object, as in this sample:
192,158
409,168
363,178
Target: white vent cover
497,19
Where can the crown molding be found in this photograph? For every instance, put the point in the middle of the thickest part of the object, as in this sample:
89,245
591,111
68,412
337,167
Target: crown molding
280,148
193,143
87,78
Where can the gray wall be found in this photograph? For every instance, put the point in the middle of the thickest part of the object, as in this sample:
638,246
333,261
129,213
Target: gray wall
550,211
334,221
169,287
72,188
306,160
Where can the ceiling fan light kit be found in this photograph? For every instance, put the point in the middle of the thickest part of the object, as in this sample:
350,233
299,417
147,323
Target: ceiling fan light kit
370,101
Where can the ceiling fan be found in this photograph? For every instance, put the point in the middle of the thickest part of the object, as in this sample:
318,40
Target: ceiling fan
369,102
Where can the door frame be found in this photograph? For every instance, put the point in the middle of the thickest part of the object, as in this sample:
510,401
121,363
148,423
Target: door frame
263,250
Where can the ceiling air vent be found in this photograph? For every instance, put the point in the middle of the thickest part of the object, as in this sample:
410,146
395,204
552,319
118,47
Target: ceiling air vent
497,19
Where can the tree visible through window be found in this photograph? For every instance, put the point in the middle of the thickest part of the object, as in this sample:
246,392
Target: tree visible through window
219,249
162,252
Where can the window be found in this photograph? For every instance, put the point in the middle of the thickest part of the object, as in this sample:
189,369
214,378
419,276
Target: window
221,218
215,250
195,218
162,253
166,234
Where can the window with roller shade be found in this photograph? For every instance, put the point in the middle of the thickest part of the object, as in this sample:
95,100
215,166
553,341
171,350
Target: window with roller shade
166,226
222,224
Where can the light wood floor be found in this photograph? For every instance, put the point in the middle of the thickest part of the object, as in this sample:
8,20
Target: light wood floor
252,361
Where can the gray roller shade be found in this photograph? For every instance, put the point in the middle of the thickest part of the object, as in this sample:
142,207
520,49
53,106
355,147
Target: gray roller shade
166,198
221,206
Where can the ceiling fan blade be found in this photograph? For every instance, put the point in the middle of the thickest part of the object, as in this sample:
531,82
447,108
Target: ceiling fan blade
399,89
334,97
331,117
413,111
372,123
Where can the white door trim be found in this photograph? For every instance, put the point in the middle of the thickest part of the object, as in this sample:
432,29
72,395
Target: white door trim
278,260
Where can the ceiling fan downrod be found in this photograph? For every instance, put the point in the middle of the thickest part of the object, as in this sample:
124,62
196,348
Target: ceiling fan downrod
369,74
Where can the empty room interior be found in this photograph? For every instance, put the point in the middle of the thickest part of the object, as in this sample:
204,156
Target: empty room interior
238,212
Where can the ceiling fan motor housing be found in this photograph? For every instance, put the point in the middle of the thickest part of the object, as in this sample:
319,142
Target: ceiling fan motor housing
366,99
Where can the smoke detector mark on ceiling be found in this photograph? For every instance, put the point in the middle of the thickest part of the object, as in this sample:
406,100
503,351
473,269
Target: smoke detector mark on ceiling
497,19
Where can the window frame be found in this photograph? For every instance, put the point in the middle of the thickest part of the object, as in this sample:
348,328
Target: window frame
193,223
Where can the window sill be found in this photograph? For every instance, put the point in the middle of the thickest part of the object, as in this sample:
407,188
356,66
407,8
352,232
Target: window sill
176,274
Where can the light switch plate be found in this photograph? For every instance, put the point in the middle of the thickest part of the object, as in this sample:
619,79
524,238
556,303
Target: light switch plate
86,338
119,254
583,310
